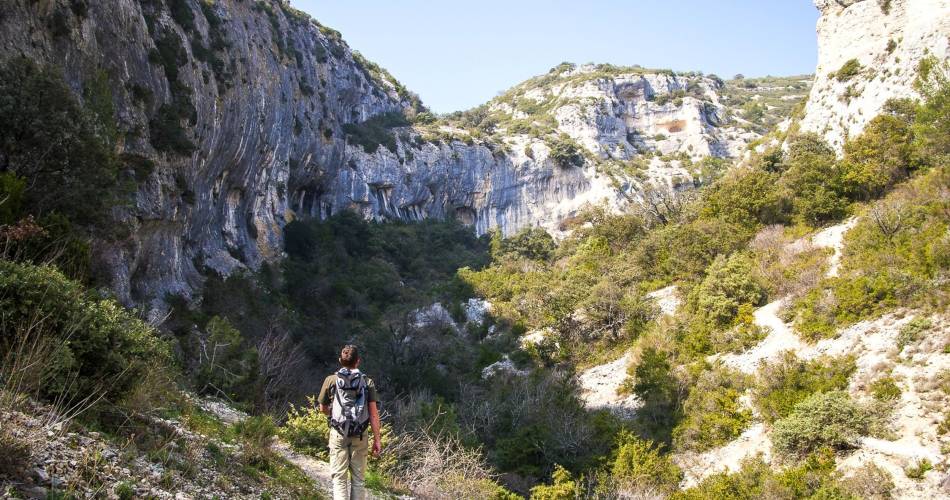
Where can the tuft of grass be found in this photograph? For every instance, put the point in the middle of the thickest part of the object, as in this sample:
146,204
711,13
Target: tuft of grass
208,425
918,469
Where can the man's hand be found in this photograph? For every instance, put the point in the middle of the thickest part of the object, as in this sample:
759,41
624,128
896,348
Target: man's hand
374,424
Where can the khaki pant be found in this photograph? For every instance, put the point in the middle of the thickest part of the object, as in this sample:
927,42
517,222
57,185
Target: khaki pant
348,454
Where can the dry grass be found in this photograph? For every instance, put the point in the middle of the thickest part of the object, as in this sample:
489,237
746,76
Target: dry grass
14,452
438,467
787,266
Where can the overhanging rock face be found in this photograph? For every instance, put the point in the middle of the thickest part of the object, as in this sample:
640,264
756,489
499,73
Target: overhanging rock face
888,39
264,92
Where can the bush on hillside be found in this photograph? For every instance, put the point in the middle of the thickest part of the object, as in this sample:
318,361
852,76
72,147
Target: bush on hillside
640,463
654,382
63,149
93,346
712,412
257,435
883,155
848,70
227,367
376,131
728,285
749,197
892,257
562,487
565,152
814,181
438,466
885,389
532,243
307,429
788,381
815,477
825,419
530,423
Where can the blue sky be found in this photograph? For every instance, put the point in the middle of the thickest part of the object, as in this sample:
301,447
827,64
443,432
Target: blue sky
456,55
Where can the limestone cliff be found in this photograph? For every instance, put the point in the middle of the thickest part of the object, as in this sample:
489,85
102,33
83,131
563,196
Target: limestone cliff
243,114
493,166
868,52
265,92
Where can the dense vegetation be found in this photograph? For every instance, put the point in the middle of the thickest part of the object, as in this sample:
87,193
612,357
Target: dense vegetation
264,340
727,252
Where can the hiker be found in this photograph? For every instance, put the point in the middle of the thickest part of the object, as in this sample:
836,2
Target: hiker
348,397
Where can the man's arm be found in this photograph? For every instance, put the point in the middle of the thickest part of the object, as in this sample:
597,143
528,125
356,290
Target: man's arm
374,423
324,398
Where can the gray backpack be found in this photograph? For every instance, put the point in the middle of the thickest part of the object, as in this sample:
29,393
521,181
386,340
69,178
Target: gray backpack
349,415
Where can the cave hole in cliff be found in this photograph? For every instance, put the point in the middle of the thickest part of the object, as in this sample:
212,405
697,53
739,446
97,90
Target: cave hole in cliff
306,200
466,215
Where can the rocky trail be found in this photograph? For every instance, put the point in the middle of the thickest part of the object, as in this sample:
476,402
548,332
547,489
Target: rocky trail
317,470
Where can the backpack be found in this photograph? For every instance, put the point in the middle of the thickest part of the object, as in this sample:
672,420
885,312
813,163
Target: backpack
349,415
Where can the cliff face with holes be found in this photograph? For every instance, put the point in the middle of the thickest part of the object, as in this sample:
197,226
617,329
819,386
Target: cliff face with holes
260,93
509,180
236,117
869,52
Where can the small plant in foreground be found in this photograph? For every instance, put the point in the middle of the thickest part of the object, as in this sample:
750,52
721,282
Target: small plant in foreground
918,469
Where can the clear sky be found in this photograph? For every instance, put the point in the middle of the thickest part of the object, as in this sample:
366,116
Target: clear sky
458,54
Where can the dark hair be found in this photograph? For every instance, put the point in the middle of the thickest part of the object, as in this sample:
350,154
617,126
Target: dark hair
349,356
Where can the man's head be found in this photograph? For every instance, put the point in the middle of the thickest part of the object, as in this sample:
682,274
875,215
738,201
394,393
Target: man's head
350,356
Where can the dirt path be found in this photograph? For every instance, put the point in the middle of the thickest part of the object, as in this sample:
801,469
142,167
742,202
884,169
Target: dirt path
781,337
315,469
833,238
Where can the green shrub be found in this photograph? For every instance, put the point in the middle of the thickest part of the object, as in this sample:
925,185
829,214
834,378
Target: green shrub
125,490
813,180
728,285
562,487
883,155
712,412
167,133
64,149
746,196
95,345
829,419
891,258
885,389
815,478
641,463
307,429
787,382
913,331
848,70
227,366
565,152
530,243
376,131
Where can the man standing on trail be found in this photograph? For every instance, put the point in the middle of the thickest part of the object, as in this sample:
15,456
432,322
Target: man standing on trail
348,397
